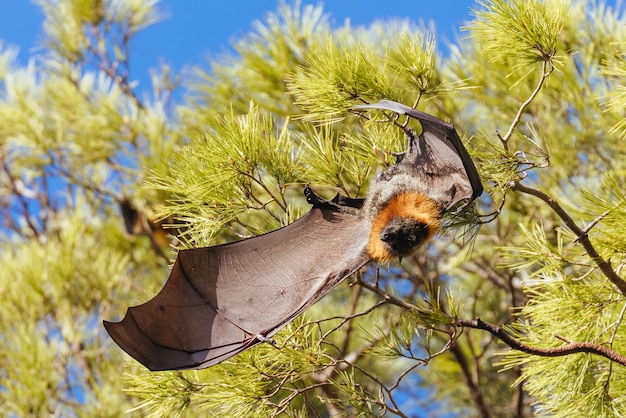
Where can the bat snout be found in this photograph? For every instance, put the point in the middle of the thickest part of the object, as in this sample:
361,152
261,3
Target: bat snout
402,236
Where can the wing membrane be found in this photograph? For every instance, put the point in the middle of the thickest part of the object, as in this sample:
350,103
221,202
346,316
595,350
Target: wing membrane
221,300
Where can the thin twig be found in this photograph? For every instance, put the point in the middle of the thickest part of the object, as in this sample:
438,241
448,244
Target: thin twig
265,188
393,408
619,321
570,347
356,295
471,381
494,214
546,71
593,224
15,189
389,298
602,264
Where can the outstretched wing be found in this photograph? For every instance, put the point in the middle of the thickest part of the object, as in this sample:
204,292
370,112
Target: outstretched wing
438,156
220,300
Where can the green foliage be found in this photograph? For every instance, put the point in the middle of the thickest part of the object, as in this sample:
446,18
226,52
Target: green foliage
582,309
54,292
564,295
70,138
345,70
260,70
242,164
536,91
413,61
519,33
267,378
338,73
615,66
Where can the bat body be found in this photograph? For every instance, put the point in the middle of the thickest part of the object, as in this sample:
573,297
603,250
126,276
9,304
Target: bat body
221,300
406,202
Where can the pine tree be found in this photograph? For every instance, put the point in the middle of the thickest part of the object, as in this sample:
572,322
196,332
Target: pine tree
515,311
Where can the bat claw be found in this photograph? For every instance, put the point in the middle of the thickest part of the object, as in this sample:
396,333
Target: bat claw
262,338
317,201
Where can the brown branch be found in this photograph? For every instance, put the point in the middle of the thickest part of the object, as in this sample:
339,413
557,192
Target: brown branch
111,66
497,331
520,394
564,350
284,403
546,71
389,298
582,236
391,406
473,385
330,394
356,295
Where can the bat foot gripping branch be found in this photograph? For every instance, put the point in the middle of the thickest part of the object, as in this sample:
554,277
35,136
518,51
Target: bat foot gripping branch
262,338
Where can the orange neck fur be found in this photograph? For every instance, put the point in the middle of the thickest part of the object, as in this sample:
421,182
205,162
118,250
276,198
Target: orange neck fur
405,205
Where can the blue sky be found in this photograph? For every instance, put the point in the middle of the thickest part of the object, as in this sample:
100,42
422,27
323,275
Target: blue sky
195,30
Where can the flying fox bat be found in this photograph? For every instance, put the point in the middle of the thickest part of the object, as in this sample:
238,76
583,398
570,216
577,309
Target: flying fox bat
221,300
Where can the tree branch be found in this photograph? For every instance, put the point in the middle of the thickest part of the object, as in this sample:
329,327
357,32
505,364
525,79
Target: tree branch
518,117
564,350
19,196
389,298
497,331
582,236
472,384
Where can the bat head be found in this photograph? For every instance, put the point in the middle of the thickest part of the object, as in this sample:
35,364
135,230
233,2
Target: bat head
402,236
405,222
